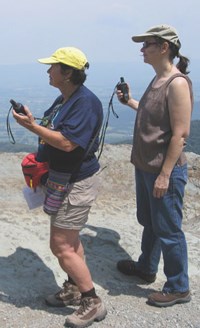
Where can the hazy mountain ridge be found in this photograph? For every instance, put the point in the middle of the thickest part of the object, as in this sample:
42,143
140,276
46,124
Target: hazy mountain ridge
193,142
28,84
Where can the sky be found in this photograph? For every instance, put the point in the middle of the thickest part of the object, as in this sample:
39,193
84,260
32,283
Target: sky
102,29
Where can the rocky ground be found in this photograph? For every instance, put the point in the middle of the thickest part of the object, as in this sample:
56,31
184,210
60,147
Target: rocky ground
29,271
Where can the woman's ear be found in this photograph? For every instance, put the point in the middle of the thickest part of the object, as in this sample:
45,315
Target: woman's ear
67,75
164,47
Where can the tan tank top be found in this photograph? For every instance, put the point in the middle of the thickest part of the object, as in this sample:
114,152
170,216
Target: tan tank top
152,131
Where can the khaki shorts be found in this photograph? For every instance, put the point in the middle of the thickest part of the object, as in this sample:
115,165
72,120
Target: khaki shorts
73,214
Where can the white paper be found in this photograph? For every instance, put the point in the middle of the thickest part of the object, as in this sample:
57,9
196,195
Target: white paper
34,197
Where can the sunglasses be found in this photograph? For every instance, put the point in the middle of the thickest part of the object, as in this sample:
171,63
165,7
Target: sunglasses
146,44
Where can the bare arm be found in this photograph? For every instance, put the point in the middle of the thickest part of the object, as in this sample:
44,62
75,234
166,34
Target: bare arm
180,109
53,138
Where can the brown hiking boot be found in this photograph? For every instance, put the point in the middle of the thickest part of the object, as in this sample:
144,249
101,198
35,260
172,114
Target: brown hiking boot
68,295
90,310
167,299
128,267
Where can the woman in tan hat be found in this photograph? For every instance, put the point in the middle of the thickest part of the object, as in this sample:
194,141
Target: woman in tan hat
161,128
69,138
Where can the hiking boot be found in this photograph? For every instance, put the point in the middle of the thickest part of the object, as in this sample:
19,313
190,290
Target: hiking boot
90,310
68,295
167,299
128,267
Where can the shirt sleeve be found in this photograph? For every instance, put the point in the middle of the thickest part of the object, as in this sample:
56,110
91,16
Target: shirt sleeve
81,121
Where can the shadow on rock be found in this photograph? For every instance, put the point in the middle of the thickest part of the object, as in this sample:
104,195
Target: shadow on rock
25,281
103,251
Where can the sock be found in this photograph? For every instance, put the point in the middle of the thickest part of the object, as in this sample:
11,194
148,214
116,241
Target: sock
71,281
89,293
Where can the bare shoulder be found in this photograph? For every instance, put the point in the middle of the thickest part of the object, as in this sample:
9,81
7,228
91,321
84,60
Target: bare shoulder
179,81
179,84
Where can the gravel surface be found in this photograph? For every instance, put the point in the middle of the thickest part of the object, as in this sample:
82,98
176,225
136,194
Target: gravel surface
29,271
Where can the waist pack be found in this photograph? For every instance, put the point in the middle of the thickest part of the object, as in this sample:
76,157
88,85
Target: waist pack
34,172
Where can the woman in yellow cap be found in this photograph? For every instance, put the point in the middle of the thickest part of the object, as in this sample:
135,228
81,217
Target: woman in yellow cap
69,137
161,128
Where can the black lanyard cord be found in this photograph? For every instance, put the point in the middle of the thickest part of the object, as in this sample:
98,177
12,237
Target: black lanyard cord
9,131
106,121
49,119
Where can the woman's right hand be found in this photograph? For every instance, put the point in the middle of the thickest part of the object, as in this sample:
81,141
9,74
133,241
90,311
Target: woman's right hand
120,96
27,121
131,102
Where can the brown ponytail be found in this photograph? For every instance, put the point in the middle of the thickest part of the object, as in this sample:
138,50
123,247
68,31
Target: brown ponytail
183,61
183,64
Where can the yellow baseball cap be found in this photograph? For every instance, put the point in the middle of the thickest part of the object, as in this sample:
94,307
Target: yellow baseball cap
165,32
69,56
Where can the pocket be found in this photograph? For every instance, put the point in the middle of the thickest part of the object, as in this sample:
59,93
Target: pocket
84,192
57,187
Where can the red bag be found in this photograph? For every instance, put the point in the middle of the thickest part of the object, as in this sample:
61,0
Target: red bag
33,170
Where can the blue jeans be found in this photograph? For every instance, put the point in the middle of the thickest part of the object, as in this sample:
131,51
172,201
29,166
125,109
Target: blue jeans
162,221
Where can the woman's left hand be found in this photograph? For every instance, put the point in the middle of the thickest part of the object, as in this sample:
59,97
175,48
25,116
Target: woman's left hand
161,185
